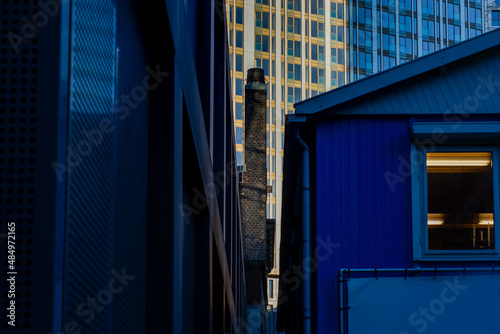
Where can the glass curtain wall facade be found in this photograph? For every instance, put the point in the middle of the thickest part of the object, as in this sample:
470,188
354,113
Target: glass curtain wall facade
491,14
384,33
307,47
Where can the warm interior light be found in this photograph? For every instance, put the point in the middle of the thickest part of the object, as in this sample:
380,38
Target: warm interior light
485,219
435,219
476,159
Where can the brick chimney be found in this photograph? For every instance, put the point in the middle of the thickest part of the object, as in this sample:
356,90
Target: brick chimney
253,190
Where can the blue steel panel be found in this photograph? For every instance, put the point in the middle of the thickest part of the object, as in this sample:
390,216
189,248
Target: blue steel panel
490,104
344,186
367,216
380,193
178,23
353,199
388,204
460,53
362,208
429,101
131,155
371,191
436,94
451,81
371,222
90,188
432,85
392,102
490,67
325,225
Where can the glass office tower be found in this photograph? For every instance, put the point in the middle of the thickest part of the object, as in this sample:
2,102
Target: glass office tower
307,47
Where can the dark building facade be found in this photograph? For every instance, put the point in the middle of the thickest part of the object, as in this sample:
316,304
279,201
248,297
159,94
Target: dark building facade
403,200
118,168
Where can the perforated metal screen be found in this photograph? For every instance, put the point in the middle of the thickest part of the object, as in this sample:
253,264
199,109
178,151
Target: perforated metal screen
18,116
106,155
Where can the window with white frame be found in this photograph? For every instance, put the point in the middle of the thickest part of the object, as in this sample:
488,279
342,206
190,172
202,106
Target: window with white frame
455,193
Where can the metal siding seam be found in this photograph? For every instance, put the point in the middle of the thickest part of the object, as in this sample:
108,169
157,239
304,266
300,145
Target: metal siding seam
454,88
337,206
364,238
425,96
492,68
322,222
371,191
380,191
353,191
398,199
434,86
344,181
403,101
389,194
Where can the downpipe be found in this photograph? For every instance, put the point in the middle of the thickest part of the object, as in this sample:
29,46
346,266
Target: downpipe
306,237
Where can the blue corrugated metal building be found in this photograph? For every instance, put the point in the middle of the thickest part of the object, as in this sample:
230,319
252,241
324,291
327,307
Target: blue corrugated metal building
396,189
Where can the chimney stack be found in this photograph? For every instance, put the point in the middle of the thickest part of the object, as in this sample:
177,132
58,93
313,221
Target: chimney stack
254,186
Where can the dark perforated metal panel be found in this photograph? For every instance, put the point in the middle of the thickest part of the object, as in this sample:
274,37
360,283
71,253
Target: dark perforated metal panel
90,187
106,186
18,116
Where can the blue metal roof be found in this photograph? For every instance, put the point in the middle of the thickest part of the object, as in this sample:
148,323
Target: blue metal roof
449,86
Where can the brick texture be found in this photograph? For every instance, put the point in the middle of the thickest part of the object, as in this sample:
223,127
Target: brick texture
253,189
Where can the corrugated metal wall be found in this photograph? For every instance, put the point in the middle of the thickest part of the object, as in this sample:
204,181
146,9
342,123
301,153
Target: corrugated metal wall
369,224
463,89
106,190
131,171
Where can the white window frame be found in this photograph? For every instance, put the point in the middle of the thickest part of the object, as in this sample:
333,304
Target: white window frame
448,137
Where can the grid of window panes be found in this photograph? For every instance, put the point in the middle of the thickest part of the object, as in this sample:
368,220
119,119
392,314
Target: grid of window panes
236,44
317,44
430,35
337,59
474,18
495,18
266,32
398,29
362,39
386,32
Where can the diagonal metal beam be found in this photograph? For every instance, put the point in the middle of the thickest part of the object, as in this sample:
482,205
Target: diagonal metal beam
187,71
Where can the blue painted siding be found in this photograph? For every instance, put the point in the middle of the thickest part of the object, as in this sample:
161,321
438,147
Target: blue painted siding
356,207
456,86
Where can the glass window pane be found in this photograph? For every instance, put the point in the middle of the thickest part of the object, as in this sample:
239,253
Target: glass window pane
239,135
239,87
239,110
239,15
239,63
460,201
239,39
